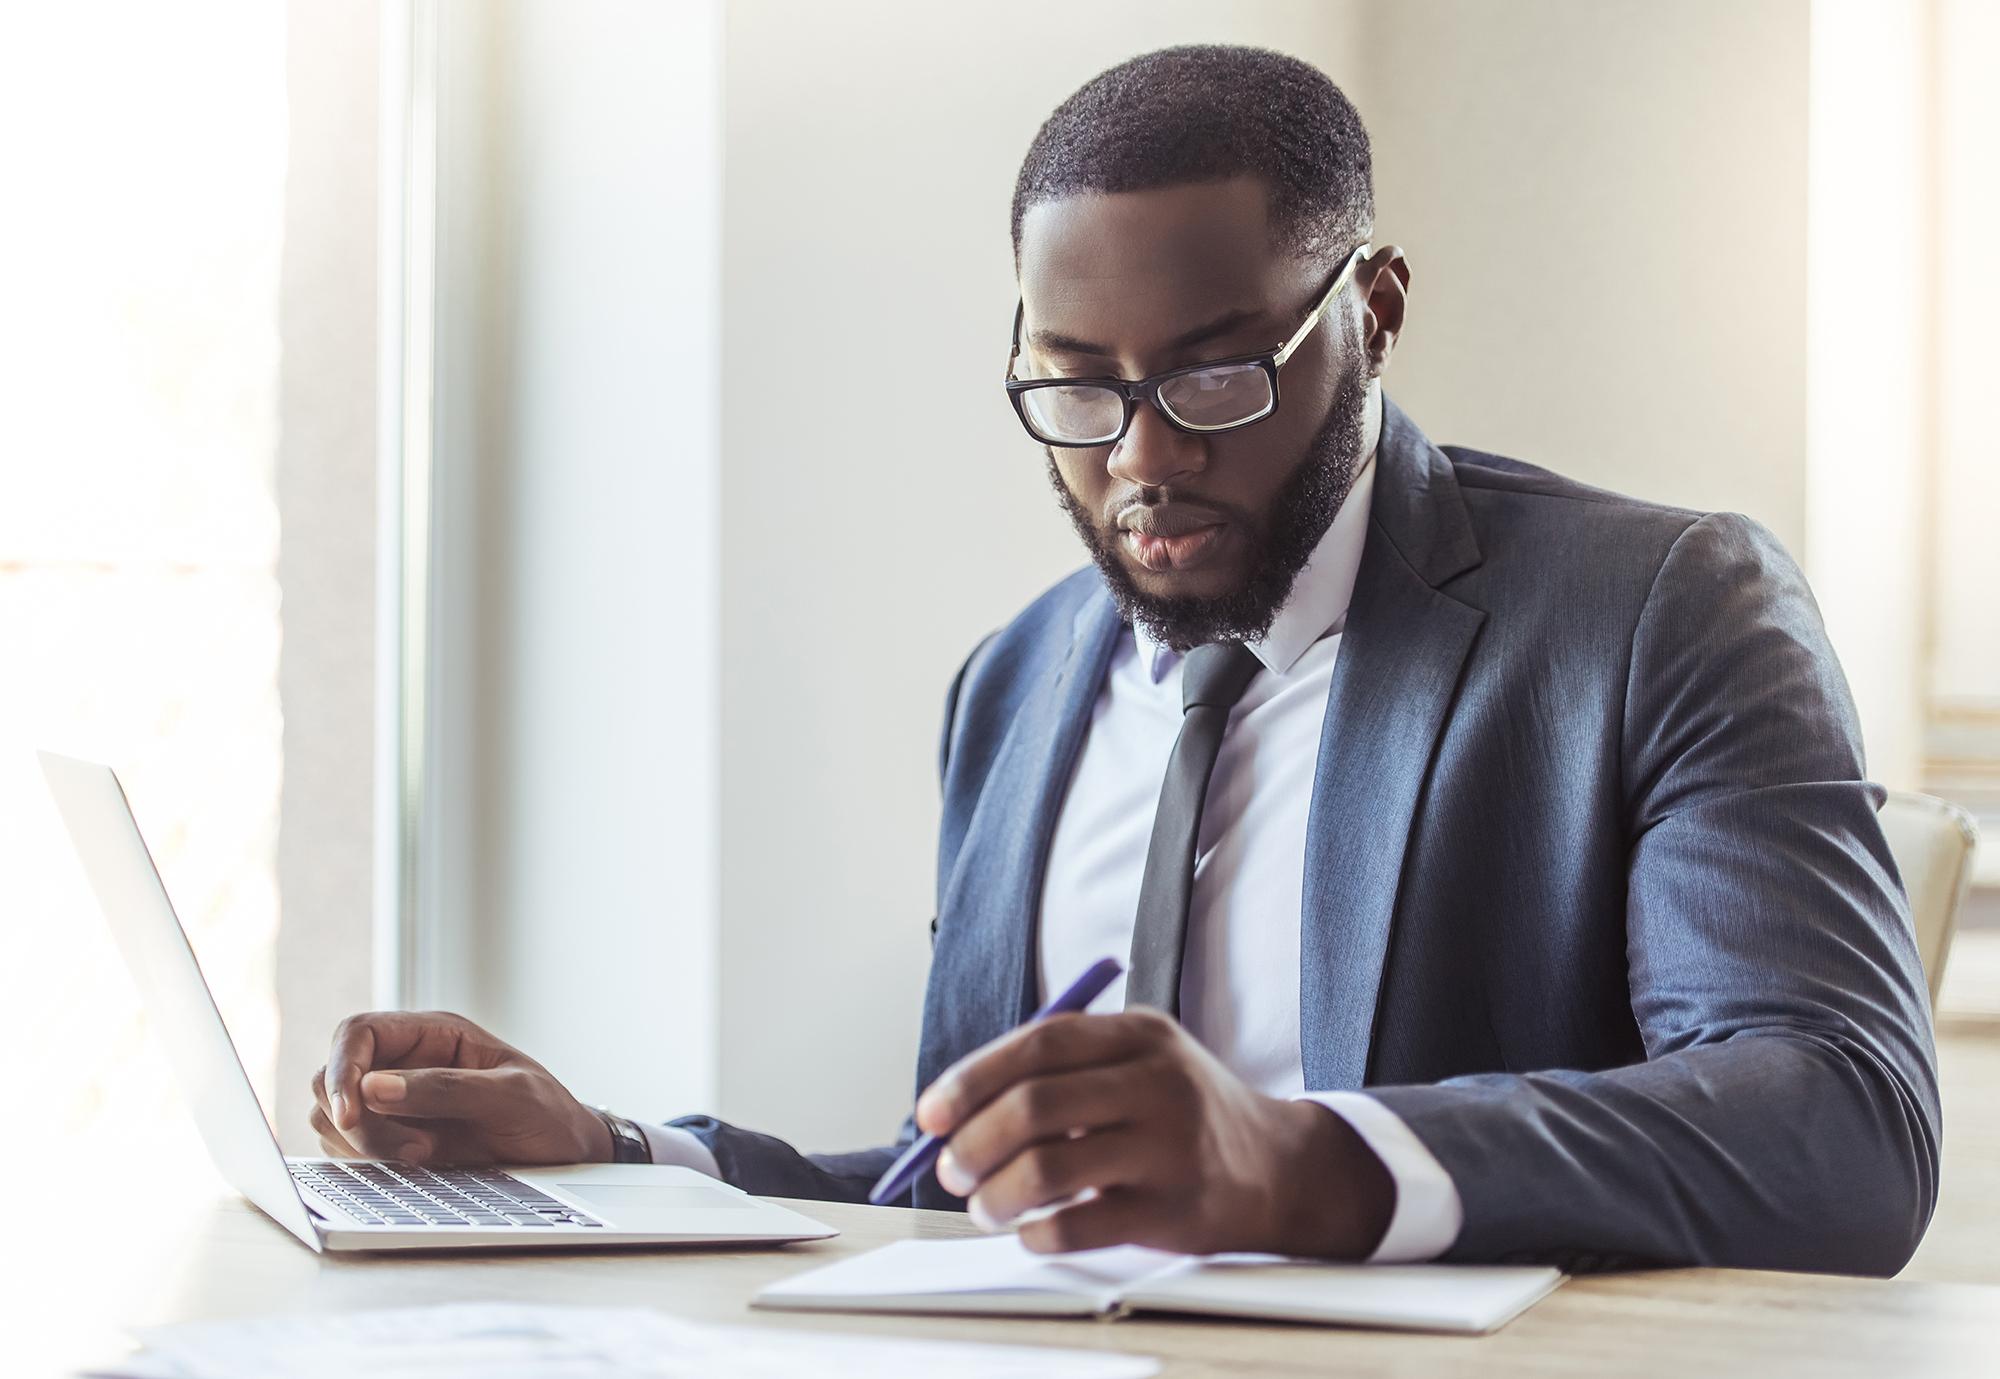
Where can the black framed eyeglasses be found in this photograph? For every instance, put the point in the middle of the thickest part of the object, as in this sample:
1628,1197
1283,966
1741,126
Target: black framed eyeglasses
1201,399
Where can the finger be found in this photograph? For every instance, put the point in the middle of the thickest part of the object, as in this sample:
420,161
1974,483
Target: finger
330,1139
442,1142
473,1094
392,1038
321,1115
1057,1044
1040,1108
1059,1169
1121,1216
353,1050
411,1146
382,1137
377,1137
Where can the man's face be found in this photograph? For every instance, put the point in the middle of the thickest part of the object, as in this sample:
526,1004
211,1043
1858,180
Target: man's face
1199,537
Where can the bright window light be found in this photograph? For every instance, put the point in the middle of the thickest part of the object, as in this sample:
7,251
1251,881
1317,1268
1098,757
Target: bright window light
139,605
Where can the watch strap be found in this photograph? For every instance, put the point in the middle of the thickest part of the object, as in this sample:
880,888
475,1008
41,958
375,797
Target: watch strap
628,1141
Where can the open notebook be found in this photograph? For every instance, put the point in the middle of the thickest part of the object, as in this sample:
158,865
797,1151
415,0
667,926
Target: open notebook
997,1274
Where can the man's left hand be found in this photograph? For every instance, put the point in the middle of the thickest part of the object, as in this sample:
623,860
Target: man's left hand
1161,1144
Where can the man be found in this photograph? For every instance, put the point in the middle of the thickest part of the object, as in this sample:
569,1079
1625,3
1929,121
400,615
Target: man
1501,844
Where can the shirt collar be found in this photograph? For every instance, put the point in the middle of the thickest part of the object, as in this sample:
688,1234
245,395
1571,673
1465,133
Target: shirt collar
1317,606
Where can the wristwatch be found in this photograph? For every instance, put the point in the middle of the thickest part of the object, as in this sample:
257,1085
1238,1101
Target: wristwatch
628,1142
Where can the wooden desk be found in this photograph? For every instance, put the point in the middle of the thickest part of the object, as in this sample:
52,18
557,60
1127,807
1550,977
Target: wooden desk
226,1259
80,1267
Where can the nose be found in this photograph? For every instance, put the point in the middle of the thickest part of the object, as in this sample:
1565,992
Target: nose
1152,454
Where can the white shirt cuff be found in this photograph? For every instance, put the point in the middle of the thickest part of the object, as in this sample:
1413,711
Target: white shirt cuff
1428,1211
669,1144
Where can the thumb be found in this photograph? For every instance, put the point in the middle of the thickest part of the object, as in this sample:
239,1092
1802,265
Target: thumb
446,1093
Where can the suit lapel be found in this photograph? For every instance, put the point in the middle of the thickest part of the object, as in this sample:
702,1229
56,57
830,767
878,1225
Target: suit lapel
1400,657
981,982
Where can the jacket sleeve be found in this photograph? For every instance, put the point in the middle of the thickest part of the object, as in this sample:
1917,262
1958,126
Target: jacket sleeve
1786,1115
769,1167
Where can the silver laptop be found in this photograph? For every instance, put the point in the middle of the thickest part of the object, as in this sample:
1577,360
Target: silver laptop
352,1204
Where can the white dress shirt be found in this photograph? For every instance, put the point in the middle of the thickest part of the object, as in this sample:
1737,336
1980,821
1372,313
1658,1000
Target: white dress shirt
1240,979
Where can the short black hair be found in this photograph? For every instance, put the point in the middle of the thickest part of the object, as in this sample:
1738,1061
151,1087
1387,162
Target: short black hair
1208,112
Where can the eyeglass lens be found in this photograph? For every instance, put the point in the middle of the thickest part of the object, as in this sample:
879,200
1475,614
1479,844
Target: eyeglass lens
1228,395
1218,397
1075,414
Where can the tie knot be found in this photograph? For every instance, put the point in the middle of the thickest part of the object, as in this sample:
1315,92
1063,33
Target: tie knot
1216,674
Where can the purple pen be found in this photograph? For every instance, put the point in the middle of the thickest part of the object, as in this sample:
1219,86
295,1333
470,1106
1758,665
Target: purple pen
914,1161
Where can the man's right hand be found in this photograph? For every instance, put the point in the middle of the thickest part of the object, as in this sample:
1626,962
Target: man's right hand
432,1087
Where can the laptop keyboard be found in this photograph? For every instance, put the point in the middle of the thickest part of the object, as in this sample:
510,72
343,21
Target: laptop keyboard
380,1194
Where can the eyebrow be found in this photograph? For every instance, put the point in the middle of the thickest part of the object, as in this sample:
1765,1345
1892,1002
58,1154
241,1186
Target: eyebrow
1051,341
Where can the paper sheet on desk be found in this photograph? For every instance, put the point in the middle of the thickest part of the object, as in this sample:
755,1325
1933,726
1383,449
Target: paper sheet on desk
510,1341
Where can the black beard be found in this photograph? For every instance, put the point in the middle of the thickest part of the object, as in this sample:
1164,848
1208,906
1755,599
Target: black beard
1298,517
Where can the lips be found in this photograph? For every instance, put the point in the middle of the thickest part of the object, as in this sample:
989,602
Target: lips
1182,552
1168,519
1170,536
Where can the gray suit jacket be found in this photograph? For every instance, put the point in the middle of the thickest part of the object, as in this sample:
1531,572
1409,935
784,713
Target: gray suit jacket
1595,895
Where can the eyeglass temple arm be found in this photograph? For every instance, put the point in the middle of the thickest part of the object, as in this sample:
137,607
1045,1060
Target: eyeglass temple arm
1305,327
1284,351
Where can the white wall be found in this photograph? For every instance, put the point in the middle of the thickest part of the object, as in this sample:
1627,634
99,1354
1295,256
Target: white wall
574,691
325,483
1604,207
1869,327
1966,572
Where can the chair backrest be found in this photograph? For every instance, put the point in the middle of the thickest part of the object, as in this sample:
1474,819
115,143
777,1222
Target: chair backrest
1932,842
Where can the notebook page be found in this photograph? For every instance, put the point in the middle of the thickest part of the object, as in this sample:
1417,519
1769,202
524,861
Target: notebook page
995,1264
1417,1297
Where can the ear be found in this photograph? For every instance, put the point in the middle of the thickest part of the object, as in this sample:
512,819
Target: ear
1384,282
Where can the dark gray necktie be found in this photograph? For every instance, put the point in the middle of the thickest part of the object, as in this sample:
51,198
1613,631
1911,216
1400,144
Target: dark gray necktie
1211,682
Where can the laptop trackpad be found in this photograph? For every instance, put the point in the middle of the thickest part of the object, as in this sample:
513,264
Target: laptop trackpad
628,1200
